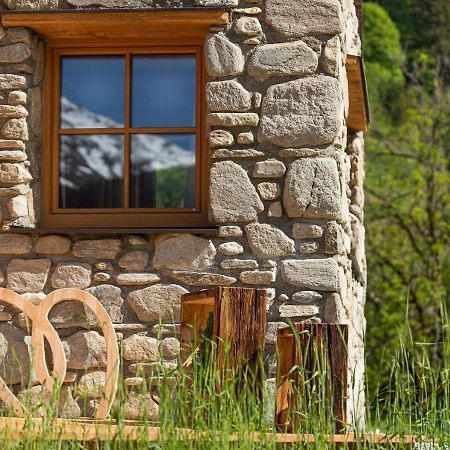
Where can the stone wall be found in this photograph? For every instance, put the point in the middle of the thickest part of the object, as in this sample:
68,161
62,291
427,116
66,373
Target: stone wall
285,188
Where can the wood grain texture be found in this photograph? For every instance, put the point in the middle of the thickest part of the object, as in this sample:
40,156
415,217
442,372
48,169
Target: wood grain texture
358,114
312,368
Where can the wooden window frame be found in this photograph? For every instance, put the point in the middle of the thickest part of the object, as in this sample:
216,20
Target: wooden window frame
54,216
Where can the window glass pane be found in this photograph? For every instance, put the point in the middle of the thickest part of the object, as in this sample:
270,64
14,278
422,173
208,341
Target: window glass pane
92,91
163,91
163,171
91,171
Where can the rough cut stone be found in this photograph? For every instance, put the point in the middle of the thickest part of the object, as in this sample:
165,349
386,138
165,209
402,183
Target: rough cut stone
12,144
233,196
31,4
140,348
267,241
227,231
85,350
161,301
306,297
298,310
227,96
98,249
268,190
258,277
312,189
111,298
223,58
101,277
110,3
331,58
170,347
15,244
13,155
14,174
233,119
245,138
53,245
183,251
203,279
137,279
311,274
306,231
334,240
230,249
334,310
302,112
286,59
247,26
15,129
17,206
275,210
14,53
138,407
304,17
136,260
8,81
308,248
19,34
15,355
11,112
269,169
27,275
248,153
233,264
17,98
216,2
70,275
137,241
92,384
220,138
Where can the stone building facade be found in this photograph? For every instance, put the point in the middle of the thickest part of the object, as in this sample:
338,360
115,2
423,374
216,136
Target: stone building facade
286,191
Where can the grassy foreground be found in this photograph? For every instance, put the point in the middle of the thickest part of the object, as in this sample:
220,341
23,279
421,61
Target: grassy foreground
415,401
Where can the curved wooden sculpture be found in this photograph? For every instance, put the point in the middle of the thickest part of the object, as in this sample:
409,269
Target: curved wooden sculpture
42,328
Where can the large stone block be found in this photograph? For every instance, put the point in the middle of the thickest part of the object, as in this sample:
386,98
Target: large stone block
15,129
14,174
9,81
312,274
111,298
302,112
203,279
31,4
183,251
135,260
158,302
53,245
138,348
85,350
15,244
14,53
27,275
223,58
233,196
312,189
98,249
267,241
227,96
72,275
304,17
286,59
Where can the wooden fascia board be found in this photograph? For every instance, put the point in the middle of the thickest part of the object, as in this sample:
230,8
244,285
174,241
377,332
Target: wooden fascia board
116,24
359,114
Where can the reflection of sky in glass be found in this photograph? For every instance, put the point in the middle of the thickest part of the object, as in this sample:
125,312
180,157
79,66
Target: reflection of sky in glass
163,171
164,91
96,84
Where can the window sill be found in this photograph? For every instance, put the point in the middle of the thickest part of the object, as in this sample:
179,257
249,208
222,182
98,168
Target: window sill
210,231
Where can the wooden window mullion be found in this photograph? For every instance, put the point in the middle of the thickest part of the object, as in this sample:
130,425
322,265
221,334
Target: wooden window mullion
127,135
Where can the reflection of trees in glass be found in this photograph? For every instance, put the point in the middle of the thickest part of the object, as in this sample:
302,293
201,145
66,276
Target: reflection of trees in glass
171,187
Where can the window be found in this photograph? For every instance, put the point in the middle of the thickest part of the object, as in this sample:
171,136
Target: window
124,143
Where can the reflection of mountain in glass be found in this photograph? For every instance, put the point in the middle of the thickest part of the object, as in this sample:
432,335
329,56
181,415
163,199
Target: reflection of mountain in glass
91,166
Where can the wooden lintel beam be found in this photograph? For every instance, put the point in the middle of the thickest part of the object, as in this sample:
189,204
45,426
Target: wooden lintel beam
358,116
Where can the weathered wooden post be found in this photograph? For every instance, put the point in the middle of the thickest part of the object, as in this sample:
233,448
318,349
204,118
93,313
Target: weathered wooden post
238,319
312,366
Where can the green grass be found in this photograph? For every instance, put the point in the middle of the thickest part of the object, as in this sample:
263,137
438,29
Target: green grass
415,400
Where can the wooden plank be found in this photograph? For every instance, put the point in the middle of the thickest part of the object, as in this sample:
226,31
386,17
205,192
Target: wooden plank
119,24
358,115
60,429
313,349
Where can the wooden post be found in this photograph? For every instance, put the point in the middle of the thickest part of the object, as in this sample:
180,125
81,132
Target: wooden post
312,372
238,319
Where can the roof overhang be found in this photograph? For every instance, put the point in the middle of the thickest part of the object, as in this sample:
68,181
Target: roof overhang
359,112
118,23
